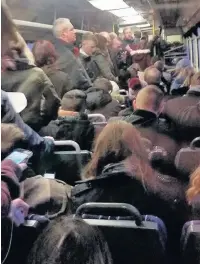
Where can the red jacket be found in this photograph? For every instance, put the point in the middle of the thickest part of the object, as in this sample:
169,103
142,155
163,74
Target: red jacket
10,174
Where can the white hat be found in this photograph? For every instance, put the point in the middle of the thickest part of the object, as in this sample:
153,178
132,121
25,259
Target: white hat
18,101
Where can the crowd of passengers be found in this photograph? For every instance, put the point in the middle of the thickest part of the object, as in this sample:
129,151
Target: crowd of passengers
133,153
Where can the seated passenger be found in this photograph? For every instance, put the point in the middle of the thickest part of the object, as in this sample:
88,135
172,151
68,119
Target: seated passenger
152,76
181,83
134,87
88,47
103,60
22,76
193,194
176,111
119,172
68,60
70,240
72,123
147,108
45,58
99,99
166,77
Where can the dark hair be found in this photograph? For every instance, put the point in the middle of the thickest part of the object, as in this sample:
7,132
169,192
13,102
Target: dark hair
44,53
74,100
103,83
70,240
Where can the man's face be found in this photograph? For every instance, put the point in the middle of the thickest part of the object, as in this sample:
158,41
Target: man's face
128,34
89,47
69,35
116,44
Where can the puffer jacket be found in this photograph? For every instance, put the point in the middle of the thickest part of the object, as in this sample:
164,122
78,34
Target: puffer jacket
42,100
77,128
105,65
100,101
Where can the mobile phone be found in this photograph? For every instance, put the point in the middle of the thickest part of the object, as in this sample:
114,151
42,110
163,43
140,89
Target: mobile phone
19,156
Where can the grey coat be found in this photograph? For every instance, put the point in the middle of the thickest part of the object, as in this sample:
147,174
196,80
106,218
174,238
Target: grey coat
72,65
105,65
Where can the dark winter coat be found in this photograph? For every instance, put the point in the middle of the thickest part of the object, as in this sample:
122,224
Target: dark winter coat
77,128
156,130
165,199
99,101
90,66
59,79
71,64
184,113
42,100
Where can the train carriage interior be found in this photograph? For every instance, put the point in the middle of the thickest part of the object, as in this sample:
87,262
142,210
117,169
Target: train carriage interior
100,132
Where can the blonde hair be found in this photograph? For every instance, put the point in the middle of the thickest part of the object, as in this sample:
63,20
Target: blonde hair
194,186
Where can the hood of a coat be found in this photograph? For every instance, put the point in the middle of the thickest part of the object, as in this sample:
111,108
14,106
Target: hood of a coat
97,98
70,125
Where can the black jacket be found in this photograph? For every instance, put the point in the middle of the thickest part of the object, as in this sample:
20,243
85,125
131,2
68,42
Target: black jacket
59,79
165,199
42,99
77,128
184,114
156,130
90,66
72,65
100,101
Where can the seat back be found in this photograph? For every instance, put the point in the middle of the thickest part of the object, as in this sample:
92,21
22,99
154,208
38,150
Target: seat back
190,242
188,159
97,117
130,241
66,165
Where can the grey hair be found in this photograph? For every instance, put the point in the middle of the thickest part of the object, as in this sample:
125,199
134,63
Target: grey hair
59,25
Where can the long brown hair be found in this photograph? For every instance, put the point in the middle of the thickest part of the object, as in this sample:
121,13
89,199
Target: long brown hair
119,141
194,187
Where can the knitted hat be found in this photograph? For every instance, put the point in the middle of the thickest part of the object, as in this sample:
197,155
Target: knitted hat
134,84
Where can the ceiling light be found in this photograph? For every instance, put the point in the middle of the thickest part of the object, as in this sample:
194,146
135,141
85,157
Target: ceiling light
143,25
133,20
126,12
108,5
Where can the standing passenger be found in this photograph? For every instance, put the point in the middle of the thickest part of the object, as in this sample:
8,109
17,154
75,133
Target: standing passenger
45,58
89,44
68,62
102,58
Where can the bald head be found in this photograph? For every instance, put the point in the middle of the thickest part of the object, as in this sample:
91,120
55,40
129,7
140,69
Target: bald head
150,99
152,76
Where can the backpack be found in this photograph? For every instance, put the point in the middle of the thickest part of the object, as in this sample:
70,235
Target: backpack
46,196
